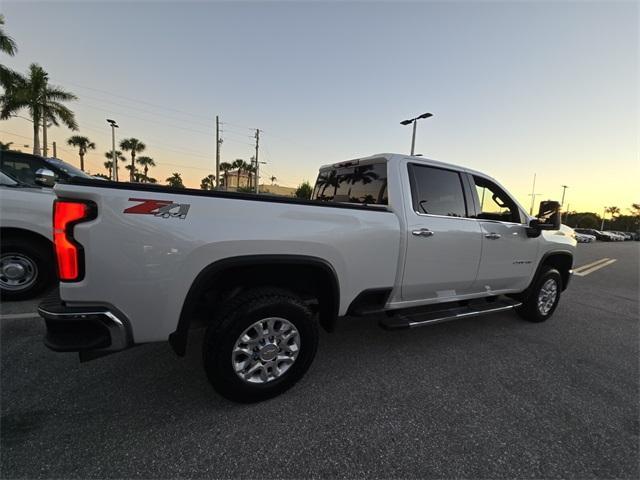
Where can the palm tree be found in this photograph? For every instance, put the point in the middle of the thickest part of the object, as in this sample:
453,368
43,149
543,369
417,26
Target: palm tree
134,146
208,182
250,168
175,181
613,211
83,144
225,167
5,146
239,164
146,163
109,164
137,176
8,46
43,102
273,179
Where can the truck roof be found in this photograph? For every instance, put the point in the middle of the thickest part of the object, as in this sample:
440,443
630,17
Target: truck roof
394,157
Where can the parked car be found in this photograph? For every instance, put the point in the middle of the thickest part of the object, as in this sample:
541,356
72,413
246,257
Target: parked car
615,236
37,171
603,236
625,235
27,263
416,240
585,238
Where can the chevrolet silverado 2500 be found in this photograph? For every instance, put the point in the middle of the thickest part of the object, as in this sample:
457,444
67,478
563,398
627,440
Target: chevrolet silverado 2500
412,240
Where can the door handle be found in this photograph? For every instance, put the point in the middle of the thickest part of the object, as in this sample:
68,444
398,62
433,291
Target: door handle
423,232
492,236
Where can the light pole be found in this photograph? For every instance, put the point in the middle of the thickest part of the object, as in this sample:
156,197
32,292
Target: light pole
564,189
603,215
415,121
533,195
114,159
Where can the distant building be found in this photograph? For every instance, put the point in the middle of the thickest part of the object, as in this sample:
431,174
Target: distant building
278,190
245,182
234,179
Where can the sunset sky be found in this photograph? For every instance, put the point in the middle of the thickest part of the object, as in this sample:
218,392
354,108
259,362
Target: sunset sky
516,88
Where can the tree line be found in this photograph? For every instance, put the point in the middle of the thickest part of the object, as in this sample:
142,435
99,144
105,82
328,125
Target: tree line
617,220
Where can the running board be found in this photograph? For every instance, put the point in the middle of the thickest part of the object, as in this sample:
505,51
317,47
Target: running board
419,319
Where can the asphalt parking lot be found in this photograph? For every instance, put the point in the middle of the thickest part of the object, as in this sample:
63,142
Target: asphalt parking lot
490,397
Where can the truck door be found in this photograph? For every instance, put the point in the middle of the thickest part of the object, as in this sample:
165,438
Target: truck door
508,254
443,243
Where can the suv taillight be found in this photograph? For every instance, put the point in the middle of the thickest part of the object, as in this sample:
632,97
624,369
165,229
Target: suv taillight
69,254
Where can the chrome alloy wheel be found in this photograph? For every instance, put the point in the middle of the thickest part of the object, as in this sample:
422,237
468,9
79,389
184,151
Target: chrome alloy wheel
17,271
265,350
547,296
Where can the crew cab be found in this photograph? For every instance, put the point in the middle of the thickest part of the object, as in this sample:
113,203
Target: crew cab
409,240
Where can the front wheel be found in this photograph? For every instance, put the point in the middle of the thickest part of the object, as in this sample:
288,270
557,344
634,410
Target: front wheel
543,297
262,343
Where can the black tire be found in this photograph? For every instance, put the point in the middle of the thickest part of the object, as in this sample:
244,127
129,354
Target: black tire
234,318
37,253
530,310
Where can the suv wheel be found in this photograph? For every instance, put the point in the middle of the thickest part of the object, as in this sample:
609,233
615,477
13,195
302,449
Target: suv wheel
26,269
262,343
543,297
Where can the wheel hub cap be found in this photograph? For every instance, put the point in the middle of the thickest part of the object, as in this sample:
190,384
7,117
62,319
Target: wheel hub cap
17,271
266,350
547,296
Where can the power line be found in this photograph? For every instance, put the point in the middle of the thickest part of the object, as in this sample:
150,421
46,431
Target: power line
201,124
137,100
128,115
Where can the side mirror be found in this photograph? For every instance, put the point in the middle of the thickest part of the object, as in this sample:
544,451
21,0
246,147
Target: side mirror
45,177
549,215
548,218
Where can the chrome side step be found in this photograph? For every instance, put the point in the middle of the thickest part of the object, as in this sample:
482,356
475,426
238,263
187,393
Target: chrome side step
421,318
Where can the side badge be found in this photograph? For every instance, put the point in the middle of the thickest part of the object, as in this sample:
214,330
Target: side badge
158,208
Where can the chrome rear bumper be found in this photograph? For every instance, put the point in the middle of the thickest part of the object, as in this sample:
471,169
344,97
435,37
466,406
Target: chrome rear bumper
91,331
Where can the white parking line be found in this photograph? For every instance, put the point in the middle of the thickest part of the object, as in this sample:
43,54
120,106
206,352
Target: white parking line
589,265
584,270
18,316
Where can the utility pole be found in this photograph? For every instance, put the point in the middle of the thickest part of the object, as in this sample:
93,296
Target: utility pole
55,153
257,161
564,189
533,195
218,142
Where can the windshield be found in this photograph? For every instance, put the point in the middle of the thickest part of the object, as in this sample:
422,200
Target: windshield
67,168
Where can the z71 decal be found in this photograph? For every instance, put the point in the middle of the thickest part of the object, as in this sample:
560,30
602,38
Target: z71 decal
158,208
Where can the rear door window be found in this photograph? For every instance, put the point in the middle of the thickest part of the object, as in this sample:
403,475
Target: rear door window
437,191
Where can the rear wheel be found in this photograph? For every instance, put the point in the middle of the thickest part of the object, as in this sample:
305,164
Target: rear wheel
26,268
262,343
543,297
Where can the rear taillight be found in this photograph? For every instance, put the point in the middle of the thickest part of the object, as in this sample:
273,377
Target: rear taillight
67,214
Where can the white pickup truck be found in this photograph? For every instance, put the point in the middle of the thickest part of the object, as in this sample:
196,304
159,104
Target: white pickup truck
411,240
